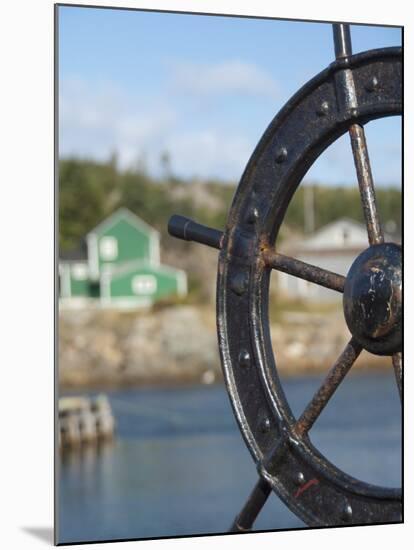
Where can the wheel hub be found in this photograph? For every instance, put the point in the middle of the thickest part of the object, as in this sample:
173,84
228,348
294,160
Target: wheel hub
373,299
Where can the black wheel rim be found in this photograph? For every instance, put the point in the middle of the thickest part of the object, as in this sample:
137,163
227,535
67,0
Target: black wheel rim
320,112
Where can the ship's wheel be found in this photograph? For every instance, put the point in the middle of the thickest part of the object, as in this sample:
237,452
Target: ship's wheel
351,92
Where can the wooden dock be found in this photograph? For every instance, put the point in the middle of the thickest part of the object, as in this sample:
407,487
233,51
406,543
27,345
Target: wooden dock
84,420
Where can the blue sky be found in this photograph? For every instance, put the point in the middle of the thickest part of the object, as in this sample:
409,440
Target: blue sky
202,88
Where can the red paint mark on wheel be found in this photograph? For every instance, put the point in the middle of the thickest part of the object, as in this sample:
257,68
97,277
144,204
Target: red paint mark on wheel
305,487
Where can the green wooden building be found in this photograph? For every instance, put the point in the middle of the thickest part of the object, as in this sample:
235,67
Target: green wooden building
118,265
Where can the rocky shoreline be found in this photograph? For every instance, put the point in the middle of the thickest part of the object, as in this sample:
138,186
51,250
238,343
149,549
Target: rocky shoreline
178,345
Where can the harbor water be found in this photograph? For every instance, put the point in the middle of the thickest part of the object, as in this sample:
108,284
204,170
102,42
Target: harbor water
178,465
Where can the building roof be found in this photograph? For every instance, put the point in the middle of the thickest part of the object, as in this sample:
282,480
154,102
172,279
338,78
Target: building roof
123,213
341,235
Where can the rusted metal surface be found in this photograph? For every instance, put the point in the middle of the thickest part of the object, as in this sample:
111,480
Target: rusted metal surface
328,388
352,91
365,182
252,507
303,270
186,229
346,87
303,130
258,497
347,90
373,299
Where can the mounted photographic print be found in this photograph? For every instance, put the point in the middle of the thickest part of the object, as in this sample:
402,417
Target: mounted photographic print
229,275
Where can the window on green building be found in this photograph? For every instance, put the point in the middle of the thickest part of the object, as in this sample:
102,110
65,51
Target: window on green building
144,284
108,248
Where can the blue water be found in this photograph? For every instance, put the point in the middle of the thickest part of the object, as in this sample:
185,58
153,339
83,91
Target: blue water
178,465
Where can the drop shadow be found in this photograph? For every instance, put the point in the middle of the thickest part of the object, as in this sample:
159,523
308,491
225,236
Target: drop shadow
42,533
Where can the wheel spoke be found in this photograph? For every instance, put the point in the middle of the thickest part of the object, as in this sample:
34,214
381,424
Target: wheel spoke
303,270
262,489
366,184
397,364
252,507
328,387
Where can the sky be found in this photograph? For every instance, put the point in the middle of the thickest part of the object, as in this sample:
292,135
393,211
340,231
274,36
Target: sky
202,88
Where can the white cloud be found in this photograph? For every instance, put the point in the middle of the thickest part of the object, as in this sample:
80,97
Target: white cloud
97,119
227,77
210,153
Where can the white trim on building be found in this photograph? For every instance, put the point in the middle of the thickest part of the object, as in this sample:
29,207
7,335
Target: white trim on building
155,256
118,215
64,270
93,257
105,287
